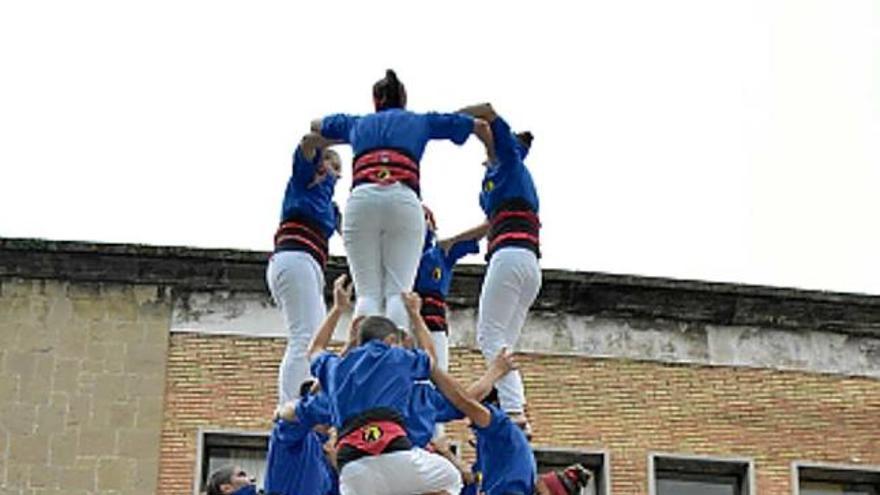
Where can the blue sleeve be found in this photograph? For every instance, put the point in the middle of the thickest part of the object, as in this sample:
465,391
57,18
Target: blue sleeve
304,169
314,410
443,409
496,423
322,366
288,432
420,365
453,126
338,126
505,142
460,249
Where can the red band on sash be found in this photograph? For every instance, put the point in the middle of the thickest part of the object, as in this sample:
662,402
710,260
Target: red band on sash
379,157
386,167
433,301
373,437
378,174
527,215
512,236
294,237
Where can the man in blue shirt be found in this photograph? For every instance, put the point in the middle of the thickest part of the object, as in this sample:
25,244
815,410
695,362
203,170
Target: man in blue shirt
370,390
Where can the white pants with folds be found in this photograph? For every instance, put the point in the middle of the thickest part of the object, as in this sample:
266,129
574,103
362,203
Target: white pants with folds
296,282
406,472
512,282
383,229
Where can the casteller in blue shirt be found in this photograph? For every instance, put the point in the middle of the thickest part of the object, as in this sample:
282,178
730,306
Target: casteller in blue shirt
309,194
505,459
296,463
435,268
374,375
507,178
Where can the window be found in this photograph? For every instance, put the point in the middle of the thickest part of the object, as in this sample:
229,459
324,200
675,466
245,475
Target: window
222,448
693,475
550,459
818,479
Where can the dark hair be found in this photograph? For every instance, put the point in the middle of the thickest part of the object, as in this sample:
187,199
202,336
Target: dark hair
306,387
219,477
376,328
525,138
492,398
389,92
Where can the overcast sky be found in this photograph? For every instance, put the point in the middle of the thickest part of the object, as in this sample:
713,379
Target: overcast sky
719,140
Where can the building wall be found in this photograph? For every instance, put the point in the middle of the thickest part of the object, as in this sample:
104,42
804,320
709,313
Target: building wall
82,378
626,407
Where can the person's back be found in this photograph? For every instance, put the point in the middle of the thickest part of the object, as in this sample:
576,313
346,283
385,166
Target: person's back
505,458
296,463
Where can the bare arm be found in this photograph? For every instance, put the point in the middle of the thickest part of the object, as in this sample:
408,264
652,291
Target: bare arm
499,367
451,389
352,341
315,126
420,330
341,302
311,143
480,111
484,134
475,233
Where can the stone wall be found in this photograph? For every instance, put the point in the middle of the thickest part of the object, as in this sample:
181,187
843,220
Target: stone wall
82,378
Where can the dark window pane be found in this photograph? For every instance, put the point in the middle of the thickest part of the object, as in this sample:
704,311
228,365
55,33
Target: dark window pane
694,487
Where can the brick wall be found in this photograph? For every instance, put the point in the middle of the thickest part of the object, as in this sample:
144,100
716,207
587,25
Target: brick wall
82,377
629,408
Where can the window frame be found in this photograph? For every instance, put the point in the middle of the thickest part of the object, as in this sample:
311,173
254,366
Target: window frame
866,474
709,466
202,436
567,456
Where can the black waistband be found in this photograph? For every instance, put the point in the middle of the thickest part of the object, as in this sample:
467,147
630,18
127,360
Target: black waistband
514,224
302,234
347,453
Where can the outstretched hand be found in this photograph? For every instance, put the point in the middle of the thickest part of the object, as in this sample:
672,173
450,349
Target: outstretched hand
503,362
342,291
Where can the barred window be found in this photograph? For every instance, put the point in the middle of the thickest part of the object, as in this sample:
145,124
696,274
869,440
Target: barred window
693,475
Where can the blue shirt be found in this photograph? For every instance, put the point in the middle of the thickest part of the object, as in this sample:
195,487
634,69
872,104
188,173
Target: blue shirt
428,407
507,178
306,197
398,129
370,376
296,463
505,457
435,269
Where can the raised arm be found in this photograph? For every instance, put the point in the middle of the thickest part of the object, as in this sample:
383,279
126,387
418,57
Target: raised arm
453,391
483,131
499,367
472,234
311,143
341,302
480,111
420,331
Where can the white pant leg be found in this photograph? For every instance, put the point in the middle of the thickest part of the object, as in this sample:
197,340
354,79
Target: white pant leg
361,235
441,348
406,472
512,282
296,282
403,235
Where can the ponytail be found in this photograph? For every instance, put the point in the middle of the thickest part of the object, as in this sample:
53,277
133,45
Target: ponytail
389,92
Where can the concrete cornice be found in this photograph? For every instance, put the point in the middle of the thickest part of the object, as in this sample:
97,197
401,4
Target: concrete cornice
187,270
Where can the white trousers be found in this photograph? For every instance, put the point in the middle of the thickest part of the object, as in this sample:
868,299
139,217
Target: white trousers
512,282
296,281
441,349
383,229
407,472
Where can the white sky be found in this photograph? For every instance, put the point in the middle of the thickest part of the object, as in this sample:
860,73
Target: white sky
719,140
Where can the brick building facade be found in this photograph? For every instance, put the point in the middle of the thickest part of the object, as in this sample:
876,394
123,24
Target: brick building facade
124,369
